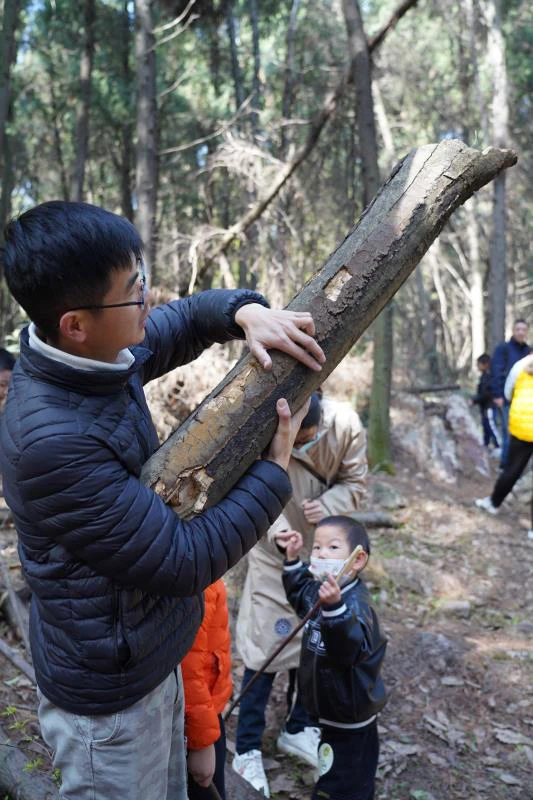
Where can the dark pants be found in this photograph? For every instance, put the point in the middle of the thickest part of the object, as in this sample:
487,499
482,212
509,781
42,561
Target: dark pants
502,415
489,427
348,762
198,792
517,460
251,722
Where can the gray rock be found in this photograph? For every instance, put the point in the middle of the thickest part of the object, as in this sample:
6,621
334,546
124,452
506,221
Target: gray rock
406,573
386,496
458,608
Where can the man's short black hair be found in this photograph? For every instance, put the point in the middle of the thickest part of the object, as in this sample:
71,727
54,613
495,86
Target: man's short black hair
484,359
520,322
354,532
7,361
61,255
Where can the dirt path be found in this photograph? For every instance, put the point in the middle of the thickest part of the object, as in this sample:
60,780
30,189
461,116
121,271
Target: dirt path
455,596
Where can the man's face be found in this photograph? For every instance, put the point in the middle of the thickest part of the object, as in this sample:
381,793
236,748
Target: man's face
520,332
107,331
5,377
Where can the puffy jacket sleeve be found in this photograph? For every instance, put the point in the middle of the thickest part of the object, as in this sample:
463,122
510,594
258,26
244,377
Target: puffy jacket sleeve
300,587
349,487
87,502
344,635
202,727
178,332
499,364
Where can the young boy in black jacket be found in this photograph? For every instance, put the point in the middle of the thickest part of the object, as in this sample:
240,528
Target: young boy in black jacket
342,653
483,399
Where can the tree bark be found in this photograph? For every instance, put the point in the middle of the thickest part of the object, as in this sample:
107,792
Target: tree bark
379,441
84,105
500,119
238,87
147,167
8,52
286,103
206,456
256,80
126,160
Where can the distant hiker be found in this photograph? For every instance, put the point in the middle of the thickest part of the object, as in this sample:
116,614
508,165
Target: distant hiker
328,469
341,657
116,576
206,671
483,399
505,356
519,393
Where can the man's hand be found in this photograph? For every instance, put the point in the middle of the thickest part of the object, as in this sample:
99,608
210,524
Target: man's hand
201,765
499,401
290,541
289,331
314,511
329,593
288,426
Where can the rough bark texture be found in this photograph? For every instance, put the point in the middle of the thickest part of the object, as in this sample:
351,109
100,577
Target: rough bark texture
201,461
147,129
84,105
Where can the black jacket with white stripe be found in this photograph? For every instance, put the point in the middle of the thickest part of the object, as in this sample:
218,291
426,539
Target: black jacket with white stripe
342,652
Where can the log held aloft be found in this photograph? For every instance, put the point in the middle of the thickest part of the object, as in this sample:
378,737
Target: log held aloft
205,457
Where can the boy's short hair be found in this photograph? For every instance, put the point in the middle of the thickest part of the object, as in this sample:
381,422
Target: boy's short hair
7,361
484,358
520,322
354,532
61,255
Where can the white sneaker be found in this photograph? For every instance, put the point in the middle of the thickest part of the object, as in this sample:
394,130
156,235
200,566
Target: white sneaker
303,744
530,533
250,767
485,503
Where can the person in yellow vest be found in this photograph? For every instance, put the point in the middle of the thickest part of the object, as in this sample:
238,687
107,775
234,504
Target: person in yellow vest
519,391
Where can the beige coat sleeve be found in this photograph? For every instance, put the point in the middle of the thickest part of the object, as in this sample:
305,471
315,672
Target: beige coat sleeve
349,488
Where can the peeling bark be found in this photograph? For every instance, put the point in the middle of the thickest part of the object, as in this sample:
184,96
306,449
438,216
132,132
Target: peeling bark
206,456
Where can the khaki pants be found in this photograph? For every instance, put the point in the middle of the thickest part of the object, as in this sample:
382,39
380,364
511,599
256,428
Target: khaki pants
137,753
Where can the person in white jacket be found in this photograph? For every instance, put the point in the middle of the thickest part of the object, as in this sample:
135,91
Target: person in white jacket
328,470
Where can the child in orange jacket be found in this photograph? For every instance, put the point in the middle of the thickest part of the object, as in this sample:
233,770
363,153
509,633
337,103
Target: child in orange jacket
206,671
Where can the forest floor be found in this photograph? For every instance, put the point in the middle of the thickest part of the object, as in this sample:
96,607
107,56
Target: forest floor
453,590
454,593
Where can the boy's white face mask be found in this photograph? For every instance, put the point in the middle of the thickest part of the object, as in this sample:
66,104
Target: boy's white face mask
320,567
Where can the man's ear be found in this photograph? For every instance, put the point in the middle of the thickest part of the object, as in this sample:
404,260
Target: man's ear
72,325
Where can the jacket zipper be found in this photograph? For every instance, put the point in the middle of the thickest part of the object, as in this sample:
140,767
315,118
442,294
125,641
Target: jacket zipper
116,604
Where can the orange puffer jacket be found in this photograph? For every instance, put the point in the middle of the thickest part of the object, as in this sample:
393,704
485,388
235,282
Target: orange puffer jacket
206,671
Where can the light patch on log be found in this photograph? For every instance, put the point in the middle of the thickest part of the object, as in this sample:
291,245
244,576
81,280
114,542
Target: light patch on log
334,287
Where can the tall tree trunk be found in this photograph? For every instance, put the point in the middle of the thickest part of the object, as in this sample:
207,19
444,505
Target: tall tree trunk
428,330
256,80
126,158
207,455
238,86
147,166
288,88
477,302
84,103
379,442
8,53
500,136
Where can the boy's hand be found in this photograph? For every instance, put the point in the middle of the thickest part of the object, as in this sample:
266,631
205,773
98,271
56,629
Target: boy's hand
289,331
314,511
288,426
201,765
329,593
290,541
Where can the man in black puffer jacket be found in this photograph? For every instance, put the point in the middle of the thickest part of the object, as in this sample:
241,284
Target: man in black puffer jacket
116,576
342,654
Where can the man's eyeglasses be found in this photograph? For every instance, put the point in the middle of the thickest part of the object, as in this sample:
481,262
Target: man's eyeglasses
141,277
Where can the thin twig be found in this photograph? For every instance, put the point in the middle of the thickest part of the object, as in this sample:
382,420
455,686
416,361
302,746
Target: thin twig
15,603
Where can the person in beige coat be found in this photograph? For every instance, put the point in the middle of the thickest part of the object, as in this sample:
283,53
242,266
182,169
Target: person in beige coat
328,470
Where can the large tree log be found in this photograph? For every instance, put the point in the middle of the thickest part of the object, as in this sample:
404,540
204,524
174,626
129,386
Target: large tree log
205,457
17,778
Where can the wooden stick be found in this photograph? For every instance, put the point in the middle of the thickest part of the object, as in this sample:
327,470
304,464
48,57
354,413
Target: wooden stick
312,611
15,604
17,660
